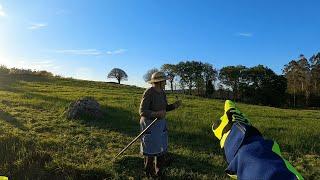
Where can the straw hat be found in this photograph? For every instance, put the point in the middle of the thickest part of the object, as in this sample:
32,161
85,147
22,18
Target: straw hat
158,77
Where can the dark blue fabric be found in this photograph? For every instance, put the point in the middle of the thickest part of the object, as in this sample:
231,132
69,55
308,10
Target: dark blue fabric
250,156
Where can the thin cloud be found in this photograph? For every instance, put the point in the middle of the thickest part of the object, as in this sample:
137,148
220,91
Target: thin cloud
2,13
62,12
42,64
86,52
244,34
37,64
32,63
115,52
34,26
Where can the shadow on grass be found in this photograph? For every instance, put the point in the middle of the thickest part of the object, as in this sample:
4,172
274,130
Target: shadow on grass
193,166
22,159
129,166
11,120
116,119
182,167
47,98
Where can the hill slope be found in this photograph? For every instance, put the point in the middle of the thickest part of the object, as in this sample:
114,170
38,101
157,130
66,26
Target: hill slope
37,142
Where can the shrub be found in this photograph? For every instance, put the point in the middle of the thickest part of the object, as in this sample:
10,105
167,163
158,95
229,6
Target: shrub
4,69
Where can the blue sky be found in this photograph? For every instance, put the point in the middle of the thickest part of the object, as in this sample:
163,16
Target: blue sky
86,39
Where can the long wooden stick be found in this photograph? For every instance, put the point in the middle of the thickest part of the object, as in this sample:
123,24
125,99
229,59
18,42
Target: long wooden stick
135,139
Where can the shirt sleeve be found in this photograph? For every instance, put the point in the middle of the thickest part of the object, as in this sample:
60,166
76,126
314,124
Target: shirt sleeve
144,109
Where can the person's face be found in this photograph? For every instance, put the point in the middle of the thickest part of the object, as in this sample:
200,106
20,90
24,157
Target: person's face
163,84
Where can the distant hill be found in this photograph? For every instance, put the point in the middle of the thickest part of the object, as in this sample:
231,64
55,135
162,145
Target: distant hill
37,142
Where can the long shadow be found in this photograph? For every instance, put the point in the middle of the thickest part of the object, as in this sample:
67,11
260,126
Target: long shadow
129,166
11,120
116,119
22,159
189,166
195,141
193,164
47,98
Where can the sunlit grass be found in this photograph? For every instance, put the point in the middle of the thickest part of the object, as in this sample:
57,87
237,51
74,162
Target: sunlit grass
36,141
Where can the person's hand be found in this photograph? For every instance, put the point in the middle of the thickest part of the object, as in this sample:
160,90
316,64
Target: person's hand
177,103
161,114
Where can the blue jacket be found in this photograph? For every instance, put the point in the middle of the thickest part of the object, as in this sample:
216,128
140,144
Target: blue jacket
250,156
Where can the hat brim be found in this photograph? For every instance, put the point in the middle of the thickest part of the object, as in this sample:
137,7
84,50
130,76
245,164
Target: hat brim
157,80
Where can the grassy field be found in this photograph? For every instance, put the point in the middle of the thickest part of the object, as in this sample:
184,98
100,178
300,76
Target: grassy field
37,142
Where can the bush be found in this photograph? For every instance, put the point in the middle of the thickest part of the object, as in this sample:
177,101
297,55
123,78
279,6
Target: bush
4,69
17,71
43,73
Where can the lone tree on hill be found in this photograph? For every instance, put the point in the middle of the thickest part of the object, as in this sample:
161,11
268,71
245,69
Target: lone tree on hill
118,74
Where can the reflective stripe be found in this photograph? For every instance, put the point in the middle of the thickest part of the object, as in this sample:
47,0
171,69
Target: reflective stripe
223,139
234,176
218,131
276,149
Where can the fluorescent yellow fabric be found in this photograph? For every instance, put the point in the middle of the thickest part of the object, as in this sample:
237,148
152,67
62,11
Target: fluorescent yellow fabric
236,116
223,139
233,176
4,178
224,122
276,149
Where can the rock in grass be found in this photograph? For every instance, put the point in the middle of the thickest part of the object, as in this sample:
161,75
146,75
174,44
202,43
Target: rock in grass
86,107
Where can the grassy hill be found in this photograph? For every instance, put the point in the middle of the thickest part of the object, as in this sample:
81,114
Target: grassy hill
37,142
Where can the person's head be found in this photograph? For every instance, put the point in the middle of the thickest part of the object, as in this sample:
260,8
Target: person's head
158,80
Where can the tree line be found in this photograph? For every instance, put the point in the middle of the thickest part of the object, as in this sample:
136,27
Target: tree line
298,86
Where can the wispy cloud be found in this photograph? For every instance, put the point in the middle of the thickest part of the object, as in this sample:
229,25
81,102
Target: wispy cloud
2,13
118,51
244,34
90,52
34,26
32,63
87,52
62,12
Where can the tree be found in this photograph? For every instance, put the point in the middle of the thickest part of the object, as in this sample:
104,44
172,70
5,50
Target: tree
118,74
198,74
260,85
210,75
184,70
291,73
304,77
315,73
231,76
190,73
171,71
147,76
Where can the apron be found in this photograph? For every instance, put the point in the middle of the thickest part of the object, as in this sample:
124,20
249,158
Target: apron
155,141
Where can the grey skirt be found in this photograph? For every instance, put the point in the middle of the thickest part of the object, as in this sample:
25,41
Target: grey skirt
155,141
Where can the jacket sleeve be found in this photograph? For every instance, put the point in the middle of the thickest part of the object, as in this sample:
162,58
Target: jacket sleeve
144,109
250,156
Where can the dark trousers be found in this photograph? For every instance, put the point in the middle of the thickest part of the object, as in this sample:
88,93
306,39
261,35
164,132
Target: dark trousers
154,165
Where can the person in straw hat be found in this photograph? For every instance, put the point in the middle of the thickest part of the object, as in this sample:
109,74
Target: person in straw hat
154,143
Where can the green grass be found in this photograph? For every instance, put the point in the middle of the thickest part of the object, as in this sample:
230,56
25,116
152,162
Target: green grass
37,142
